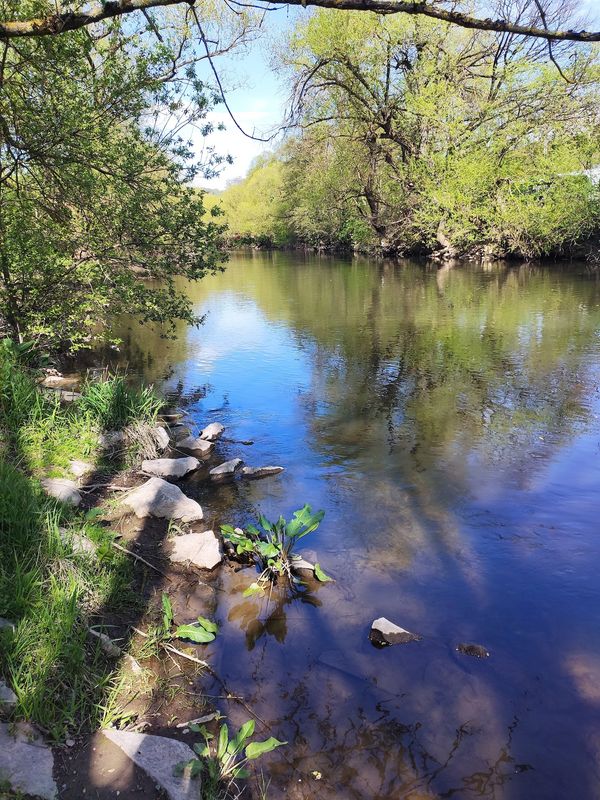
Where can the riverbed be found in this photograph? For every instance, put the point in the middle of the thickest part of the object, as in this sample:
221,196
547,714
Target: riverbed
447,422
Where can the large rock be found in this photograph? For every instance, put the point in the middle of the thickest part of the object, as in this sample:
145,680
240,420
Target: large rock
197,445
58,381
181,432
8,699
201,549
383,632
161,437
26,765
62,489
170,467
157,498
80,468
226,471
157,756
212,432
260,472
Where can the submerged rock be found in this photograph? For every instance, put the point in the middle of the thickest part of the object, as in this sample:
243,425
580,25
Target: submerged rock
157,498
157,756
383,633
212,432
474,650
201,549
170,467
226,471
8,699
62,489
297,562
260,472
196,444
26,763
161,437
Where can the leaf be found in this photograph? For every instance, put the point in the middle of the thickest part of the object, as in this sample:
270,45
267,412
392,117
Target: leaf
201,729
194,633
264,523
196,768
209,626
237,743
223,741
320,575
228,530
167,612
256,749
266,549
181,766
253,530
202,749
240,772
254,588
93,514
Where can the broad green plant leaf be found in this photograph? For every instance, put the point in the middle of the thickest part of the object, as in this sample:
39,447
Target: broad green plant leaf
256,749
223,741
194,633
209,626
320,575
167,612
254,588
237,743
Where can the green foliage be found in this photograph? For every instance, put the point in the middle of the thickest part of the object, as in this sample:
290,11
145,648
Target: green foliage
225,762
201,632
272,545
113,403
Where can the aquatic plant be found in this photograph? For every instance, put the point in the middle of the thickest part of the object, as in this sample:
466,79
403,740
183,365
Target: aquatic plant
272,545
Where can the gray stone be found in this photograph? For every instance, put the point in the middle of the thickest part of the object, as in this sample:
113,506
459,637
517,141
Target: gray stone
161,437
62,489
260,472
170,467
298,563
181,432
226,471
212,432
8,699
107,645
197,445
111,439
26,763
200,549
80,468
474,650
6,623
383,632
157,498
79,544
157,756
58,381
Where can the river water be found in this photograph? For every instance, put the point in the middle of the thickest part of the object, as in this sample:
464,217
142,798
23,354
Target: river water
447,421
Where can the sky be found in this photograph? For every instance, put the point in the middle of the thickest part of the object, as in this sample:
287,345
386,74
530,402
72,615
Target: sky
258,96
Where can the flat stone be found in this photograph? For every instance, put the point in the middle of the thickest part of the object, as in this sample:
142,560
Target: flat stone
26,765
157,756
170,467
226,471
161,437
196,444
201,549
79,544
383,632
298,563
157,498
62,489
59,382
8,699
80,468
475,650
260,472
212,432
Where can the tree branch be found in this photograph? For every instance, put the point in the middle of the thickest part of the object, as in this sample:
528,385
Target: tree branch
97,11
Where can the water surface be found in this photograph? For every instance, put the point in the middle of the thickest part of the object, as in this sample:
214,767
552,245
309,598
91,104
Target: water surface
447,422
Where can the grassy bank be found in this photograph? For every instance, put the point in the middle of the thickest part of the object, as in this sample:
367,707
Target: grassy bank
49,590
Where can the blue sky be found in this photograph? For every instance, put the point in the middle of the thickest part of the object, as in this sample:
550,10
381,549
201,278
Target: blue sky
258,96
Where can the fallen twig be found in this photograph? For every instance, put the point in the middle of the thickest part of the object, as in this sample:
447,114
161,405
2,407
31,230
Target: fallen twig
143,560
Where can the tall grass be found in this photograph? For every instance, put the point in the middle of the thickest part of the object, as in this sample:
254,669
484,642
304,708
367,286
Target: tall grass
114,404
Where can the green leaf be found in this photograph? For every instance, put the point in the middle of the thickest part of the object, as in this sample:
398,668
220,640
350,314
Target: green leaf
320,575
93,514
228,530
196,768
240,772
253,530
202,749
223,741
201,729
209,626
266,549
167,612
237,743
181,766
254,588
264,523
194,633
256,749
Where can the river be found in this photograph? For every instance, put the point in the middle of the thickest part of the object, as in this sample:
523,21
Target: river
447,421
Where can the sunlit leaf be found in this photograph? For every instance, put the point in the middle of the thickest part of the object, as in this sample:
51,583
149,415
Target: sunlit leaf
256,749
209,626
320,575
194,633
223,741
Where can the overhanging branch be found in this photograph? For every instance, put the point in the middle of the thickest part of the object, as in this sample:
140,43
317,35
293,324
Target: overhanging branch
97,11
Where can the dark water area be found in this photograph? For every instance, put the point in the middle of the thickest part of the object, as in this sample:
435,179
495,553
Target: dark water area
447,421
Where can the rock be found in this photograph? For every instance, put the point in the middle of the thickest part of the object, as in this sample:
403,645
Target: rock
157,756
260,472
58,381
68,397
26,765
197,445
80,468
383,632
475,650
62,489
201,549
298,563
134,664
111,439
170,467
226,471
157,498
107,645
79,544
212,432
182,433
161,437
6,624
8,699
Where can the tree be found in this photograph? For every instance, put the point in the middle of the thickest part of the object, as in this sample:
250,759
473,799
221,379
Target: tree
95,178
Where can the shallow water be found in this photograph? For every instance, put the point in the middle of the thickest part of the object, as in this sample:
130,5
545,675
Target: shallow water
447,421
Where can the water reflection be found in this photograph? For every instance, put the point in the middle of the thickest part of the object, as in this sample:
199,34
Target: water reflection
447,421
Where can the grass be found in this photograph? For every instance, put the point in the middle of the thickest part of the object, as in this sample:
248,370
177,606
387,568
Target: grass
53,594
113,404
